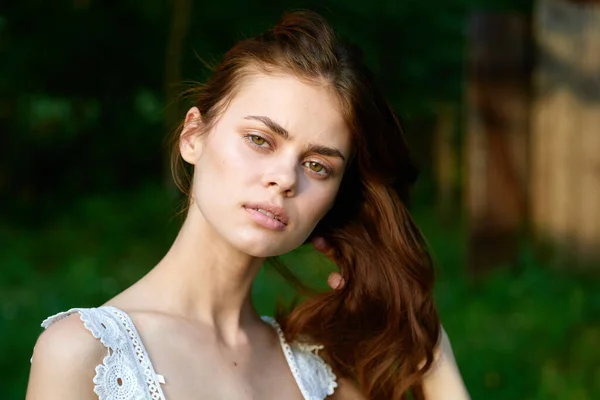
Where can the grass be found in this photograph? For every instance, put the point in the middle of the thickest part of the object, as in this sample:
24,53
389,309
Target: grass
528,333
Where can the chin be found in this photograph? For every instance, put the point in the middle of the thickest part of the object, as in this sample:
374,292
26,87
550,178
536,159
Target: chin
264,251
263,247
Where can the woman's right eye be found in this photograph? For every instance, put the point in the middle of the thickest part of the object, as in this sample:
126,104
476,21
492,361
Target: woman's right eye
257,141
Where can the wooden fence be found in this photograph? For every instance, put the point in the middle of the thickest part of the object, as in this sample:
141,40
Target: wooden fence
532,134
565,157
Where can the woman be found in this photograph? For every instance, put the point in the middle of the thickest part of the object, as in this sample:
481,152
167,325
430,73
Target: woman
289,141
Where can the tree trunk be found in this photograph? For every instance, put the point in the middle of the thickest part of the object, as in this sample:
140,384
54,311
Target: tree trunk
174,54
446,161
498,106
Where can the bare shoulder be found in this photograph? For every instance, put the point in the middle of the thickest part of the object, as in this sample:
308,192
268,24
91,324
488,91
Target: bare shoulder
443,380
64,360
347,390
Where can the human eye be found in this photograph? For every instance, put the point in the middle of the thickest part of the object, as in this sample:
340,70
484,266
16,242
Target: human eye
317,169
257,141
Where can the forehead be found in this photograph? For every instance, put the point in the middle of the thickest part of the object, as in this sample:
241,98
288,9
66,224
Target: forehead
309,112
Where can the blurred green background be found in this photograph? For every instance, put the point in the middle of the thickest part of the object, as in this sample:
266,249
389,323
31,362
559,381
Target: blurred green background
88,94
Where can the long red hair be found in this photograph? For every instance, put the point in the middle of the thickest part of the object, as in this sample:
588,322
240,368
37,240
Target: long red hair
381,329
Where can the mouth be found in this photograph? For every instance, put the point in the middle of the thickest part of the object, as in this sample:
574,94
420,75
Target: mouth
270,210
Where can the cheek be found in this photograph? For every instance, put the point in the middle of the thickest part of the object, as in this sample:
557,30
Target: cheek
224,173
318,203
221,161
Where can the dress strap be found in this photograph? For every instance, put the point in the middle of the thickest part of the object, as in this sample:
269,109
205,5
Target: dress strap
314,376
126,371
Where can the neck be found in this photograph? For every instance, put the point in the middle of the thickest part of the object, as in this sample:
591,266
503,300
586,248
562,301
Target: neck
204,278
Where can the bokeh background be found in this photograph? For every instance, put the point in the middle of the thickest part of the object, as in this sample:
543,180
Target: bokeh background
500,100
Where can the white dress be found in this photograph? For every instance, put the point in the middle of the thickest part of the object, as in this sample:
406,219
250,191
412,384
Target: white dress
126,372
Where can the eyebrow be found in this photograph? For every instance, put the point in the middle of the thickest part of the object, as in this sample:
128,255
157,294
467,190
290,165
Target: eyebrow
325,151
281,131
272,125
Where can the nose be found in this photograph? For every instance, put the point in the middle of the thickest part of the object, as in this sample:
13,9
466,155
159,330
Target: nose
282,176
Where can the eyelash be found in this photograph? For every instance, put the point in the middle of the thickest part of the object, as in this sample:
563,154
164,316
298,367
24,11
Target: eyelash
306,164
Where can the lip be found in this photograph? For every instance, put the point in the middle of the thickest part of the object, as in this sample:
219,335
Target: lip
277,211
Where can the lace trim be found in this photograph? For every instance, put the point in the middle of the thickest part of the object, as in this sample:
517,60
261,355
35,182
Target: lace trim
151,378
318,380
322,377
289,356
126,372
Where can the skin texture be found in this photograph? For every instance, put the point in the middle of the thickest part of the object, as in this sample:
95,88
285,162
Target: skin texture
234,168
193,309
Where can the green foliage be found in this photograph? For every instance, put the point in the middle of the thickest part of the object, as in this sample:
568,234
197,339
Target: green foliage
82,104
531,334
82,83
528,332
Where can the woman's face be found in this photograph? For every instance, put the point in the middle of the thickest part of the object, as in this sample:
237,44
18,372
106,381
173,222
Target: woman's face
269,169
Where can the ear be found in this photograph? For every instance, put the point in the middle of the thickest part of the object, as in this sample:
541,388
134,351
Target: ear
190,143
